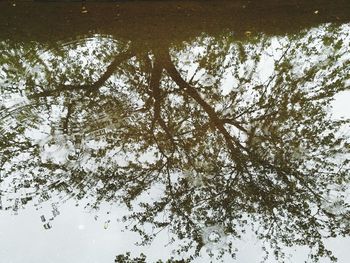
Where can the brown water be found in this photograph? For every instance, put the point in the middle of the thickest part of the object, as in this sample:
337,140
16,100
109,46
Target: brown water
201,119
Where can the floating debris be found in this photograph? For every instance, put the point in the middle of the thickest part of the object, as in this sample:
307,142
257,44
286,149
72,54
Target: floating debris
83,8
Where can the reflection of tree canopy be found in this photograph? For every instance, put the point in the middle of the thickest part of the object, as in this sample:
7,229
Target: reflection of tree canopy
202,138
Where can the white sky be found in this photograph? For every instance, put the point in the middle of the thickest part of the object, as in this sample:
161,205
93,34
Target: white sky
77,237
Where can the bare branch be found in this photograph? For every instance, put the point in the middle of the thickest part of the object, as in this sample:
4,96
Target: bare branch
232,143
156,94
94,86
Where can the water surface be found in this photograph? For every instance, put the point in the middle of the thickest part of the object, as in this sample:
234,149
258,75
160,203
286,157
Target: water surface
191,133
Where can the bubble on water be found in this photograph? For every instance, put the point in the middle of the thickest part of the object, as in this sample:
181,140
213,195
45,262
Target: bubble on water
336,206
335,202
106,224
213,237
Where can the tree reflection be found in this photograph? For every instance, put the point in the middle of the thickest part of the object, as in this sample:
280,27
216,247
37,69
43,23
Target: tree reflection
205,139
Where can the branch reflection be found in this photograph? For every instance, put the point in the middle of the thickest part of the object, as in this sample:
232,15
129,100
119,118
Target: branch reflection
205,138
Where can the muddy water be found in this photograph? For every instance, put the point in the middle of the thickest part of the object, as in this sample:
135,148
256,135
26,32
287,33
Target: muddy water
186,122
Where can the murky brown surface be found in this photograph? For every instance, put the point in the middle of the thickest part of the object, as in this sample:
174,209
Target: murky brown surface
200,119
54,20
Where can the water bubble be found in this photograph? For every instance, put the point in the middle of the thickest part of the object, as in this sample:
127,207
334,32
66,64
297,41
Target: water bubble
106,224
213,237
